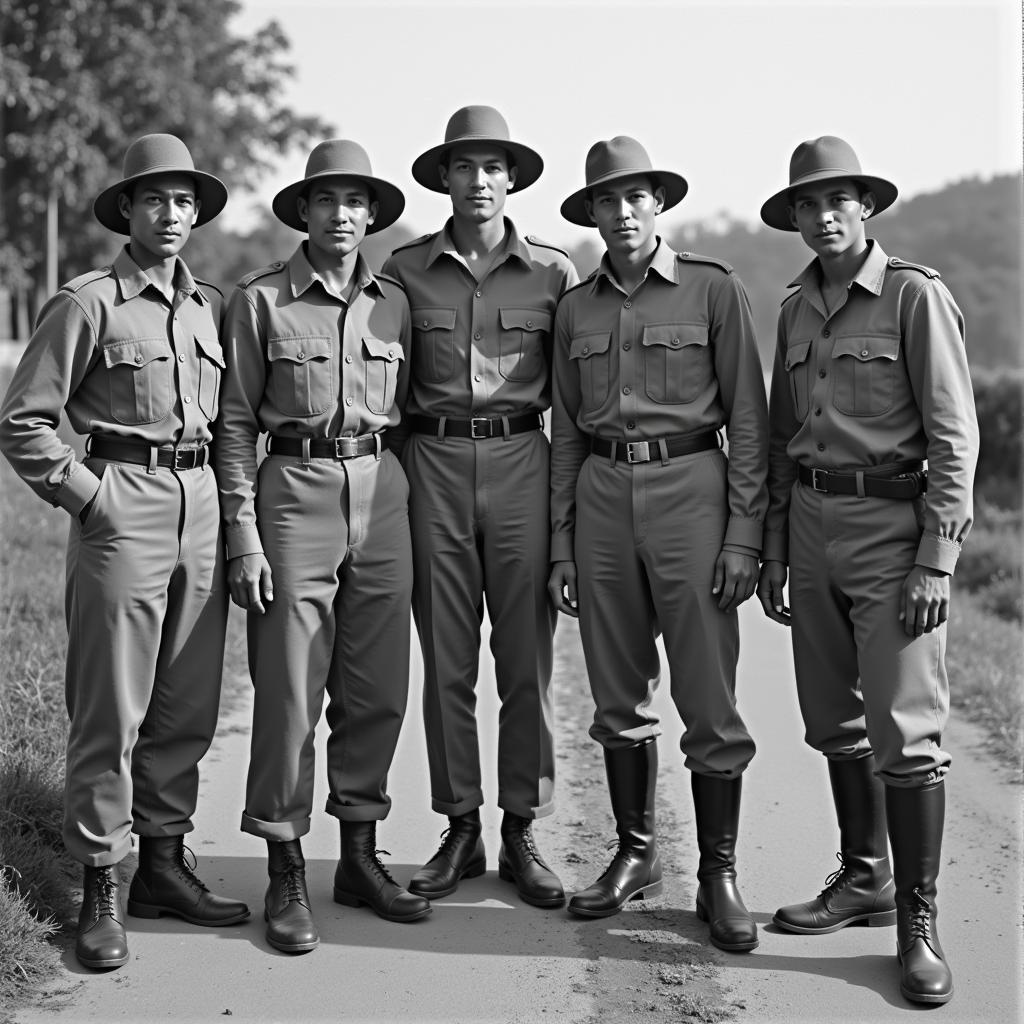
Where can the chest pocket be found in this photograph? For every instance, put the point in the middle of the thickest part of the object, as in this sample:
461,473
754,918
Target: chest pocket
382,360
798,369
522,343
677,362
866,366
301,374
590,355
211,366
141,375
433,351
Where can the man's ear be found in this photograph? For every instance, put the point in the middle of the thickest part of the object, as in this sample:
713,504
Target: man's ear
868,202
588,205
659,199
512,172
791,211
372,214
443,172
302,205
195,210
124,204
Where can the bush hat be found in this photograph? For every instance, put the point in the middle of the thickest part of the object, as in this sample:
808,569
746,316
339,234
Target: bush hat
621,157
341,157
479,125
824,159
159,154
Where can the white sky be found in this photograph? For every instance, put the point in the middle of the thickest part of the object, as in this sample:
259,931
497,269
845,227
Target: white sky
927,92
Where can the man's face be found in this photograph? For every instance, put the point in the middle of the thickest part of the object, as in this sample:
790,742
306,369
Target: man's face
337,211
478,179
830,217
161,212
624,213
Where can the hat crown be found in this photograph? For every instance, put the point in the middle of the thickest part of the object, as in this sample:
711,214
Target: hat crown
619,156
339,156
828,153
476,122
156,152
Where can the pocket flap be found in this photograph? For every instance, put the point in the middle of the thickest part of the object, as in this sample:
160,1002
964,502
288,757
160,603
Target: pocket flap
867,346
797,353
210,348
433,318
675,335
136,351
299,349
585,345
525,319
380,349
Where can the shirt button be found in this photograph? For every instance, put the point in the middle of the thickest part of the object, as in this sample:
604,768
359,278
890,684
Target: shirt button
477,377
181,359
138,359
817,412
188,401
479,295
586,350
628,304
529,323
864,353
631,425
827,333
626,346
349,400
302,355
477,336
626,390
821,447
821,373
426,323
675,341
391,353
348,359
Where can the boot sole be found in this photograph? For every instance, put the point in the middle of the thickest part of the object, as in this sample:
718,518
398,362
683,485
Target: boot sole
99,965
876,920
654,889
149,912
474,870
348,899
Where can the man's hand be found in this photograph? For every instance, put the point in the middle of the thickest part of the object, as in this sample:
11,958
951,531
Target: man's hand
925,600
770,589
250,582
735,579
562,588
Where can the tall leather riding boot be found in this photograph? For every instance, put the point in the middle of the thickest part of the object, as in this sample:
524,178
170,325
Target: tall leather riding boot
862,890
916,819
635,870
165,883
716,805
520,862
101,939
460,855
361,878
286,909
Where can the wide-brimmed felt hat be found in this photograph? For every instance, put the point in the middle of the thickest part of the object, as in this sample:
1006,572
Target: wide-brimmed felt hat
826,158
481,126
341,157
159,154
611,160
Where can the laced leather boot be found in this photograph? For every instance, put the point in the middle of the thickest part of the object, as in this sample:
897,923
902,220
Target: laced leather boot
916,819
165,883
519,862
861,890
635,871
101,941
460,855
716,804
362,878
286,909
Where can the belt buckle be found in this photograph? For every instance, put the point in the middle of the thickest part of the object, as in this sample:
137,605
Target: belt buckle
486,425
339,452
179,455
638,451
822,475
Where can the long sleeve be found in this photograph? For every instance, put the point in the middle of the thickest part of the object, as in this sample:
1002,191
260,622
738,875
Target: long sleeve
783,424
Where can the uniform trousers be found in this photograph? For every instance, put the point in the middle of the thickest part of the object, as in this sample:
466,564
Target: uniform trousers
336,535
647,537
480,526
146,608
863,684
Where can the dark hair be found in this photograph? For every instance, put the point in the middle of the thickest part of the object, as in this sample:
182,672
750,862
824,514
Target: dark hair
446,157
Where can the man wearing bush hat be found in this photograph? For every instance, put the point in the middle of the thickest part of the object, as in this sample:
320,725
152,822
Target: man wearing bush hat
653,529
318,535
870,381
483,299
131,353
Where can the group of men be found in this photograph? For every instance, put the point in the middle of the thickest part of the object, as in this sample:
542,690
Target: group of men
406,466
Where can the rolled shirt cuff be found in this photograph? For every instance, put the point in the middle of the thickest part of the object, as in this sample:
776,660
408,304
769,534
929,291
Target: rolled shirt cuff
562,547
744,533
775,547
939,553
243,539
78,489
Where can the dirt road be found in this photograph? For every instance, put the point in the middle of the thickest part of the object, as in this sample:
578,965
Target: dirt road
483,955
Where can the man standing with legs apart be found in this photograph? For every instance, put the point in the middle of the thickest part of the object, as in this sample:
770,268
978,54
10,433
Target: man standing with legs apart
483,299
658,531
318,535
870,380
131,353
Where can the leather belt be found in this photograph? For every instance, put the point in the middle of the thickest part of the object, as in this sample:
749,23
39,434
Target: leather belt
658,449
903,481
325,447
479,428
138,453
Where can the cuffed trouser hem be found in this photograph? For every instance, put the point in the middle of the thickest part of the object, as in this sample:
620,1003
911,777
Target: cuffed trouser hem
357,812
523,811
103,859
156,831
453,810
916,781
275,831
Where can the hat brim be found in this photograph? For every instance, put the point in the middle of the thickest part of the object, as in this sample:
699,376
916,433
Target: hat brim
389,198
574,208
211,193
775,212
528,163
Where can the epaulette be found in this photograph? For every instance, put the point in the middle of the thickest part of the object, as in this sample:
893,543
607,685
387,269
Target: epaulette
208,284
693,257
534,240
381,276
254,275
587,280
77,283
895,261
415,241
792,294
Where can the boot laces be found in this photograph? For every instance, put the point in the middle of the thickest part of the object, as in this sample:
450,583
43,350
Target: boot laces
373,859
838,880
522,838
920,921
291,878
186,870
105,889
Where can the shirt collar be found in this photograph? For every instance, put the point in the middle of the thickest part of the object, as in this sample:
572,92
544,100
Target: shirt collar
302,275
133,280
870,277
444,244
663,263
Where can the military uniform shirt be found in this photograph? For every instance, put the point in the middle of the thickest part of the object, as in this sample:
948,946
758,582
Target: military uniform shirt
677,356
303,363
123,361
481,348
883,379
